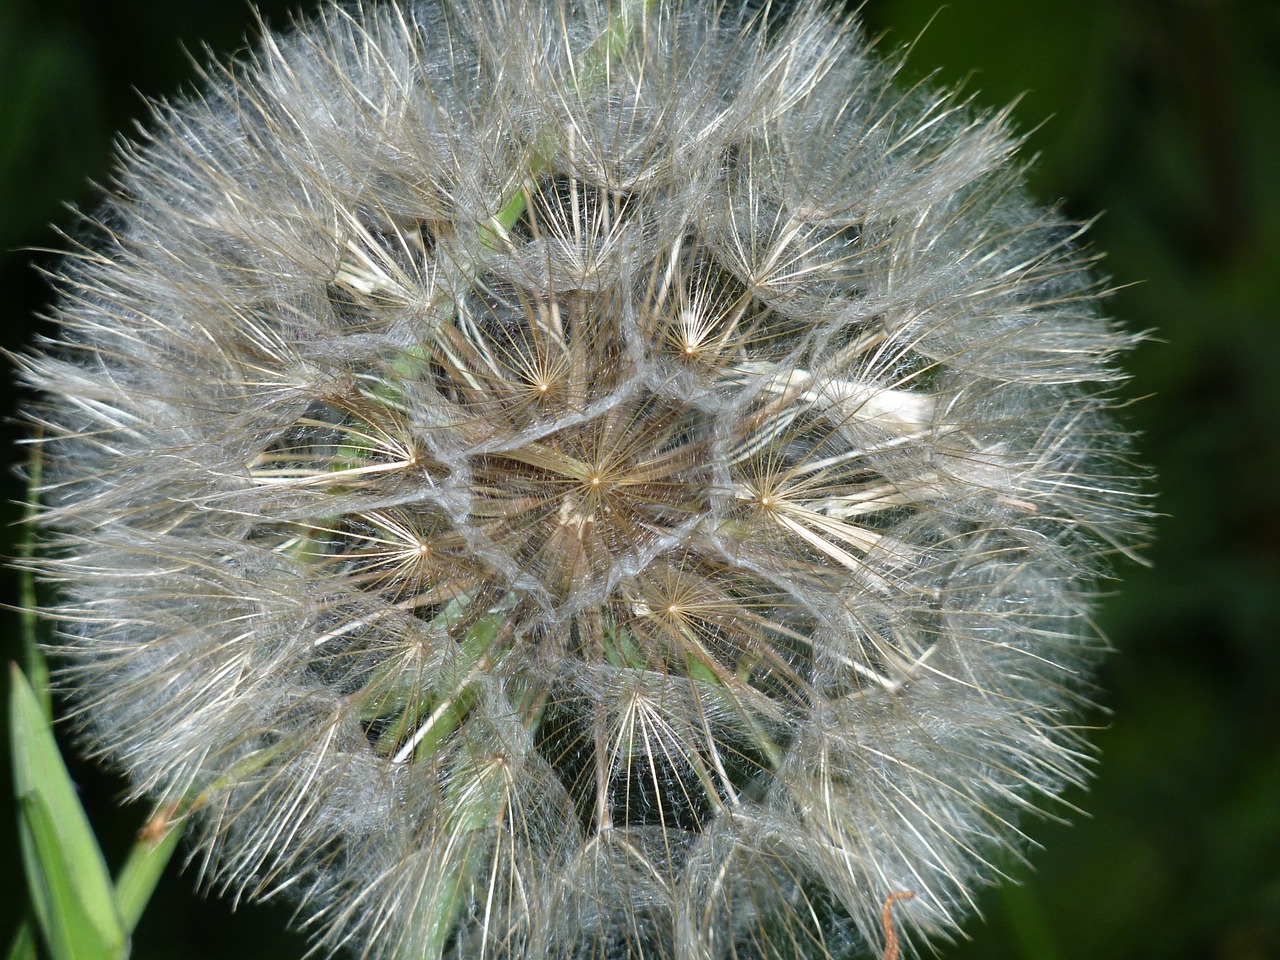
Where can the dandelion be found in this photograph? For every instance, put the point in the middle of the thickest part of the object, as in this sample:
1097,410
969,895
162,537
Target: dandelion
537,479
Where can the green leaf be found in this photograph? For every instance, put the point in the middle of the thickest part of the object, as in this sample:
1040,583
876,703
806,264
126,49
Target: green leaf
71,891
24,944
144,867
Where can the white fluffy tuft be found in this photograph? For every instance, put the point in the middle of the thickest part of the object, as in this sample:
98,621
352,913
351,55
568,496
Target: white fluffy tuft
538,480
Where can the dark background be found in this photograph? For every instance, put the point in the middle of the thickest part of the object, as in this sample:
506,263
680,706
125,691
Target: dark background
1163,115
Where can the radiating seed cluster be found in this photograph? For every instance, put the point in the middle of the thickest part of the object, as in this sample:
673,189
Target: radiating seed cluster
544,479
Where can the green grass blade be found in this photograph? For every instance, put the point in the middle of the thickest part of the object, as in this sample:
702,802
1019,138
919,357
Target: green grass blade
70,888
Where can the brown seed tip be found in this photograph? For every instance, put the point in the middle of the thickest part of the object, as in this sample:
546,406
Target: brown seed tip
891,935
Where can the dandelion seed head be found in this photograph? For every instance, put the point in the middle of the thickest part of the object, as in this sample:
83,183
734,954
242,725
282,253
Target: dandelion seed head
539,479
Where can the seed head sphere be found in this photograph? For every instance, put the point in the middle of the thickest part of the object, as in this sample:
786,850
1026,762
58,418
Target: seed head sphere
560,479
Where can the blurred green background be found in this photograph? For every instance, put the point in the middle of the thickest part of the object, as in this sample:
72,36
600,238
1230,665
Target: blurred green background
1163,115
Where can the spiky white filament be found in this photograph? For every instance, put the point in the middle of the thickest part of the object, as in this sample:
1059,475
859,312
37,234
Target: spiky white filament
544,480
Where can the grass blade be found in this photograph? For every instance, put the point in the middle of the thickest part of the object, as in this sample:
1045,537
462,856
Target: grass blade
71,891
